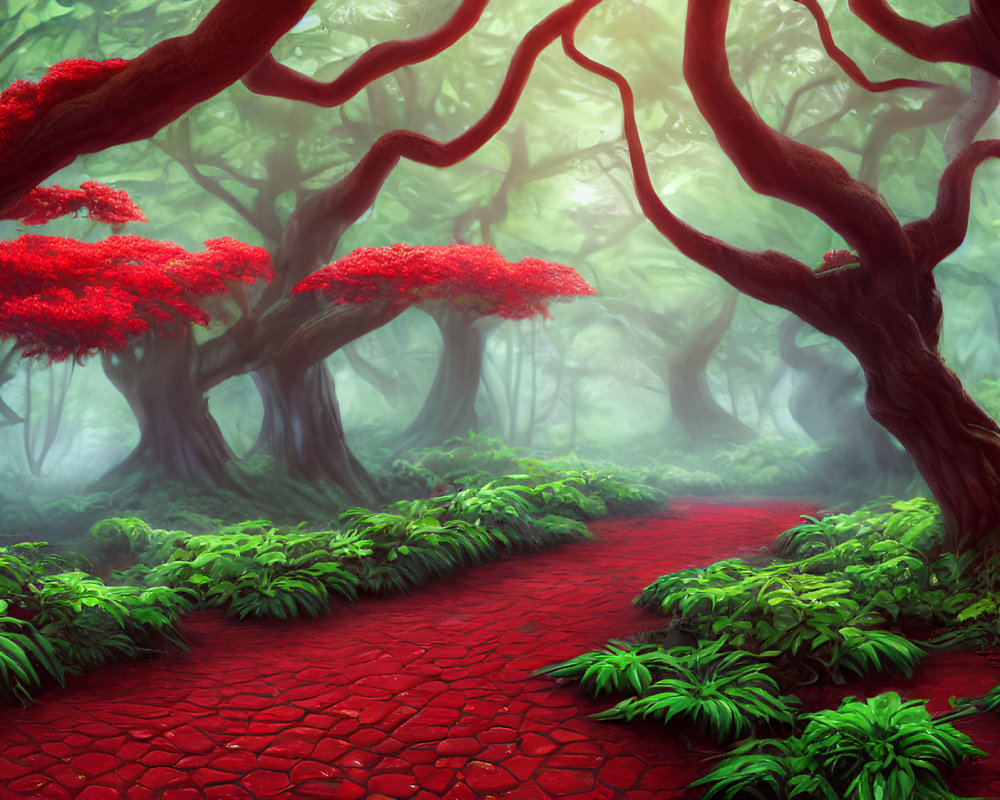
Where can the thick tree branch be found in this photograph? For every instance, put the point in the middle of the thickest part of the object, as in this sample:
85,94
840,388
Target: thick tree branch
955,41
313,231
151,90
850,68
774,164
770,276
935,237
315,228
271,78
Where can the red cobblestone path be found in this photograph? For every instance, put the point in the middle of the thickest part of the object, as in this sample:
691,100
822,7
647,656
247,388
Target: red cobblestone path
423,696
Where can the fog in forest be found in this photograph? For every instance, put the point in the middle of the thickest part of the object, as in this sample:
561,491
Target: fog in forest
665,370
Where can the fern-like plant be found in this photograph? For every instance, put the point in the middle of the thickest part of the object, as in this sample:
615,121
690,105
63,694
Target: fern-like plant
879,749
725,693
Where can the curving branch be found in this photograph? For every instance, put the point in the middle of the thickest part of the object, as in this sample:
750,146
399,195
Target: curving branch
770,276
957,41
774,164
315,228
146,93
313,231
276,80
938,235
850,68
983,99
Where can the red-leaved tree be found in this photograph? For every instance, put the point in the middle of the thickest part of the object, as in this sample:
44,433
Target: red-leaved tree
61,298
883,306
458,285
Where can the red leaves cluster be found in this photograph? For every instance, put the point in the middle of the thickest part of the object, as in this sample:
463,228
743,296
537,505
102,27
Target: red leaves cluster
25,101
103,204
472,278
63,298
837,258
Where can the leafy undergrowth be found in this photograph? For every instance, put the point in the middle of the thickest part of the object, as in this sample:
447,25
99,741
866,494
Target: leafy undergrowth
849,594
477,459
57,619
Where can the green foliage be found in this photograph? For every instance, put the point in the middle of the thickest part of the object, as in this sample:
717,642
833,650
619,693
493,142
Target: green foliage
721,691
55,621
764,464
873,750
569,486
254,570
619,667
93,623
838,599
23,653
257,569
68,620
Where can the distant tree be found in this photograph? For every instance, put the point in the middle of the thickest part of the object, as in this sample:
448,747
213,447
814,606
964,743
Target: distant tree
827,403
458,285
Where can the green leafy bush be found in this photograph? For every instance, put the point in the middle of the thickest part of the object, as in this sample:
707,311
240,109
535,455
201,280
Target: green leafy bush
25,657
252,569
840,595
879,748
765,464
724,692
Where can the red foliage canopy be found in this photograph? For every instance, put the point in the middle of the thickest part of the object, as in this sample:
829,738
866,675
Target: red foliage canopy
24,101
473,278
103,204
63,298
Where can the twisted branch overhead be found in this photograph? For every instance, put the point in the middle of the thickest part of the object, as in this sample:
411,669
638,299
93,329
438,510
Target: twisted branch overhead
774,164
315,228
271,78
971,39
146,93
850,68
763,275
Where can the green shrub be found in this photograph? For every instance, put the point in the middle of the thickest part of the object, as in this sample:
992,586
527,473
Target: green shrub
723,692
879,748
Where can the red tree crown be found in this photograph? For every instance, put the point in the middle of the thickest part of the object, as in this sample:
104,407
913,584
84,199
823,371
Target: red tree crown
473,278
64,298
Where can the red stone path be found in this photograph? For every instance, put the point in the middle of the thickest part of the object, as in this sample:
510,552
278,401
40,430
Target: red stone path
423,696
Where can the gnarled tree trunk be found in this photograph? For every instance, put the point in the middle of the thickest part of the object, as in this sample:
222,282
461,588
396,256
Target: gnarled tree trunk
450,407
302,428
953,442
178,435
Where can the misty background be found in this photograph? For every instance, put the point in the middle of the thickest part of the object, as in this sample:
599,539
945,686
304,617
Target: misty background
665,366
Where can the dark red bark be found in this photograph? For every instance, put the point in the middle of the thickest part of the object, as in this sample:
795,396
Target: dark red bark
271,78
916,397
971,39
885,308
152,90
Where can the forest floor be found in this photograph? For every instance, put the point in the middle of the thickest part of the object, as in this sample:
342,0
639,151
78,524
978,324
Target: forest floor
428,695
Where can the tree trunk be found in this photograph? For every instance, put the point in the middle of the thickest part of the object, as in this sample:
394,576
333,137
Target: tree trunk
953,442
826,403
450,407
691,400
302,429
178,436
